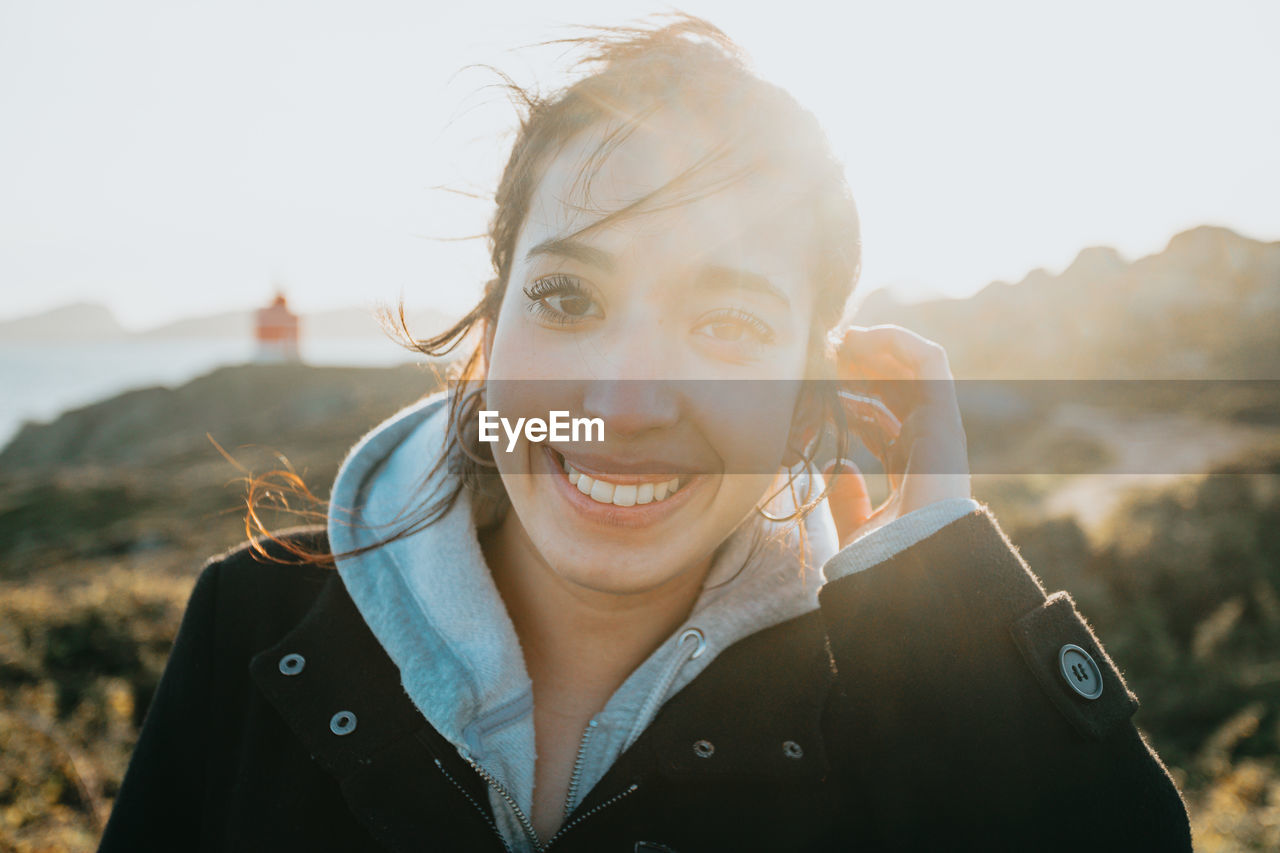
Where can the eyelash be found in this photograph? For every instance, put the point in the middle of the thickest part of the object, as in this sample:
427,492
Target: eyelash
763,333
563,285
555,285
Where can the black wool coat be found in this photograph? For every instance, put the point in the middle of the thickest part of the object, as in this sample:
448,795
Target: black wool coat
927,705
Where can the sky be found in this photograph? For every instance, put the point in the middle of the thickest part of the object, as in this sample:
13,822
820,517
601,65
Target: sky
177,158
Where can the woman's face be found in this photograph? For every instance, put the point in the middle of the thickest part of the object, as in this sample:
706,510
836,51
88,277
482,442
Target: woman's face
707,293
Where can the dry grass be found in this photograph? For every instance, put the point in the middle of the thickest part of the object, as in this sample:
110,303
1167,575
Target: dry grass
78,664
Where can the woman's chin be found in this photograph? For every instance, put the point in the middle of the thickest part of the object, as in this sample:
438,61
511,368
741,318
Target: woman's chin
618,571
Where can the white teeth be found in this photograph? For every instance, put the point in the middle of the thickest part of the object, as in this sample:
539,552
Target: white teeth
631,494
602,492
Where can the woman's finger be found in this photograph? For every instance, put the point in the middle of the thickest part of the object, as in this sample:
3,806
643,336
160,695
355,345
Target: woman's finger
928,360
872,421
928,459
871,365
849,499
926,377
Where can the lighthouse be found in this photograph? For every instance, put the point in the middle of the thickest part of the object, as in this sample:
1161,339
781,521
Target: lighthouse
276,332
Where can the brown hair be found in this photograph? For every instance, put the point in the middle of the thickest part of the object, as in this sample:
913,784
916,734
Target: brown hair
689,65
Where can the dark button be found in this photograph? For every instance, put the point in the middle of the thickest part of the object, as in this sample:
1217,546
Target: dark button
292,664
703,748
343,723
1080,671
791,749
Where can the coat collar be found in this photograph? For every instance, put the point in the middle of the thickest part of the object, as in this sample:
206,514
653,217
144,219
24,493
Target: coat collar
758,707
345,704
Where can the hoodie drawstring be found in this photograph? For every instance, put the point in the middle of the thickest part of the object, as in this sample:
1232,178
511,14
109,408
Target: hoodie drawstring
660,687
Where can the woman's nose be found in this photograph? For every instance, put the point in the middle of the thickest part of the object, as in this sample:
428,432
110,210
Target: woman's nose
632,406
631,386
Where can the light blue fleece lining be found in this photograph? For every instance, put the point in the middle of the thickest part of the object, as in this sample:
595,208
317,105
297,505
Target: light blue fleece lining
440,620
432,604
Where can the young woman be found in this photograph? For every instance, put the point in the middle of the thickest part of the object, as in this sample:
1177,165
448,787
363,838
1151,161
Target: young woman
681,637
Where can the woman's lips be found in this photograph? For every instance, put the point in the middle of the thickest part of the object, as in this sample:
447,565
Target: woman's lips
623,500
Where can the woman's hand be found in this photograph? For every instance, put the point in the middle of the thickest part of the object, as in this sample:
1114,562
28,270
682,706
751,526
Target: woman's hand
929,461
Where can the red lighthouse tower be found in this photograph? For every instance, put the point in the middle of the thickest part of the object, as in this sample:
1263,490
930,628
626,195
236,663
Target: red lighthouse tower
276,332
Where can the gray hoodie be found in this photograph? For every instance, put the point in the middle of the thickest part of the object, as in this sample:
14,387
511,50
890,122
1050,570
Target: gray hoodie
432,604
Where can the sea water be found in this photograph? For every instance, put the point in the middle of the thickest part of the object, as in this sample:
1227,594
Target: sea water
41,380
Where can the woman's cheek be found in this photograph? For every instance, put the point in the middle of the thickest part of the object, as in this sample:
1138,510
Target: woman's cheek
512,403
748,421
522,350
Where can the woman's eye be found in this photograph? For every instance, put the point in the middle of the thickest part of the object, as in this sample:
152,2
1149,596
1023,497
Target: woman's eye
732,326
561,299
726,331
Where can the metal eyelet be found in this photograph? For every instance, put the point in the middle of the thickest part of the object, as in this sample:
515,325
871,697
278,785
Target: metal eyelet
343,723
791,749
704,748
695,633
292,664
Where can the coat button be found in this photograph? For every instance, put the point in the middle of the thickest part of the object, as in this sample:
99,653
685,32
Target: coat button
703,748
343,723
292,664
1080,671
791,749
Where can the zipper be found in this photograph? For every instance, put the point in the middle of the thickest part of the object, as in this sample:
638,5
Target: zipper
580,818
525,824
580,760
484,814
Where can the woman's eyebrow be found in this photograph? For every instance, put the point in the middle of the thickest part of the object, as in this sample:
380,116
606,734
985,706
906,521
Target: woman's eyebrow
728,278
568,248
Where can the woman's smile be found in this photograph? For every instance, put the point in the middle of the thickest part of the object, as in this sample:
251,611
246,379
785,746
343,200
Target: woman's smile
602,492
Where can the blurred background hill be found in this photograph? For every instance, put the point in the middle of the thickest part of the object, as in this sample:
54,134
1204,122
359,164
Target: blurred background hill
87,321
1159,511
1207,307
